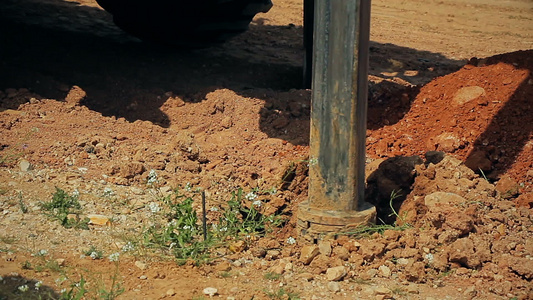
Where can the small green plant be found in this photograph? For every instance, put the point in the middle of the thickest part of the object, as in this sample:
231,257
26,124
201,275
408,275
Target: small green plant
94,253
26,265
367,230
272,276
483,174
61,206
76,291
22,205
282,294
225,274
181,231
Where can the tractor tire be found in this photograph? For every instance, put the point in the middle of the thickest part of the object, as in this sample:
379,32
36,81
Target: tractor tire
198,23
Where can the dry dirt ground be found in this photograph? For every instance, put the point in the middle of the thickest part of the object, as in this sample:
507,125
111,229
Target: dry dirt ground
121,123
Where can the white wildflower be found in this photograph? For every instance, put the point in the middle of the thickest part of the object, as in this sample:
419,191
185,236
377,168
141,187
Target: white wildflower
186,227
251,196
291,240
60,280
154,207
429,257
188,187
152,177
312,161
42,252
76,193
23,288
128,247
64,290
1,278
114,256
257,203
224,228
108,192
38,284
94,255
214,208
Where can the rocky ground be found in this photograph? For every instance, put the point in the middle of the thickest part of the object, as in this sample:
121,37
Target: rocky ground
119,125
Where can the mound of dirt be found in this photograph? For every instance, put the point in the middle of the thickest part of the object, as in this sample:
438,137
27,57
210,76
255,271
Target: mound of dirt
480,114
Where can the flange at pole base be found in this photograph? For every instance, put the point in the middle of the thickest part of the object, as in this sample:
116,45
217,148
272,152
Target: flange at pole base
314,224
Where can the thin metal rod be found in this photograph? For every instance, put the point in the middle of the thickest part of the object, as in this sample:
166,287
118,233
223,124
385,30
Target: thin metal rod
204,216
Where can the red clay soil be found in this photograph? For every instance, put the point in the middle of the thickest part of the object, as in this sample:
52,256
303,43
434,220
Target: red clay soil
481,114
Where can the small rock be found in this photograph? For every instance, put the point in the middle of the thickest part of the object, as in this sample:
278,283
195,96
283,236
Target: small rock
272,254
223,266
341,252
307,253
171,292
100,220
259,252
306,276
383,291
60,262
237,246
412,289
470,292
385,271
336,273
507,187
278,269
210,291
143,277
334,286
324,248
467,94
372,250
25,166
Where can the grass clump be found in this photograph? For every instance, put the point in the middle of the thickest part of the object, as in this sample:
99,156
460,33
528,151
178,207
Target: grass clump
187,235
368,230
66,209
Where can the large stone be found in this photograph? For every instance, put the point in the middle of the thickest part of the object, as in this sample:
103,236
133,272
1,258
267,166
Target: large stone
336,273
308,252
507,187
467,94
325,247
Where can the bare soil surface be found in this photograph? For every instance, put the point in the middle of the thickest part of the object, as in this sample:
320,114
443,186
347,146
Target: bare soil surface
88,109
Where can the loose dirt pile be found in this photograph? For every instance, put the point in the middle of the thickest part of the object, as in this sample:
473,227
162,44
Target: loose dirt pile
104,114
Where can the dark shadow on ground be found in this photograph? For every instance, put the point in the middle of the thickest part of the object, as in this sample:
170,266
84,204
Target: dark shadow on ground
512,127
50,46
19,287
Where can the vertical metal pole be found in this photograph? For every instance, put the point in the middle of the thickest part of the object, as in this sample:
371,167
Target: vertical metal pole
338,119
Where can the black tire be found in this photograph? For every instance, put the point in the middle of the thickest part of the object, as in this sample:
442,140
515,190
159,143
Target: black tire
195,23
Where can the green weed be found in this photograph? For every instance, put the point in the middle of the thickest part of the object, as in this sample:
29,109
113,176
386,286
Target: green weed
61,206
272,276
22,205
282,294
368,230
181,232
94,253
